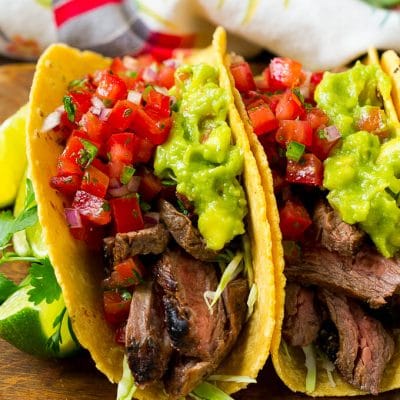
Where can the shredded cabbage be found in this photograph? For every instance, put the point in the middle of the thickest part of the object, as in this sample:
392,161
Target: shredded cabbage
207,391
231,272
311,365
126,386
231,378
251,300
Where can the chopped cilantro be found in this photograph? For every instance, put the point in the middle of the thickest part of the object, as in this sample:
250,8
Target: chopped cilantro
77,84
181,207
127,174
105,206
87,154
107,102
44,282
69,107
131,74
144,205
125,295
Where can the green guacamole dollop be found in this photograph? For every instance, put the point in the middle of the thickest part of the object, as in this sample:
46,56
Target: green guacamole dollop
200,156
361,175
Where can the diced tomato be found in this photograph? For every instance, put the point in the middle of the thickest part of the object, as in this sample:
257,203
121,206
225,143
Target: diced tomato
294,220
273,152
150,185
158,104
95,182
116,308
111,88
91,234
115,169
289,106
143,150
120,147
273,101
128,273
279,181
373,119
316,117
82,102
308,171
66,184
121,116
97,130
323,143
315,79
243,76
294,131
100,165
94,208
146,127
127,214
262,119
129,76
283,73
166,77
72,160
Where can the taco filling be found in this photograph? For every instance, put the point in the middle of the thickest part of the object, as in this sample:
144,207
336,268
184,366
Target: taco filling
152,176
330,140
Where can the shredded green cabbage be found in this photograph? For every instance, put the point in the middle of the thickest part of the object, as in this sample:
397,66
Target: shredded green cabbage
207,391
126,386
231,378
311,365
231,272
251,300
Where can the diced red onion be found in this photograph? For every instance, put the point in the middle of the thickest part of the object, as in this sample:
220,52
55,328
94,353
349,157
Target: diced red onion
95,110
130,63
149,74
161,90
52,120
105,113
151,219
119,191
98,103
135,96
305,87
133,184
171,62
332,133
73,217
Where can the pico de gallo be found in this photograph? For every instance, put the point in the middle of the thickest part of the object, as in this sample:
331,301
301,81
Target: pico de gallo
112,122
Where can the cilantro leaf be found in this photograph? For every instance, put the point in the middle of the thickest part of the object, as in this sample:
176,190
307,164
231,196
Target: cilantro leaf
7,288
44,282
69,108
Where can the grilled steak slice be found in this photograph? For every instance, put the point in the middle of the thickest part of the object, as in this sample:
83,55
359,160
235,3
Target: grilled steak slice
194,330
368,276
187,373
365,346
150,240
302,321
335,234
148,347
184,233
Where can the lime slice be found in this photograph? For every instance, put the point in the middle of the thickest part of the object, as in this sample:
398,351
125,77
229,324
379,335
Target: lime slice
12,155
28,326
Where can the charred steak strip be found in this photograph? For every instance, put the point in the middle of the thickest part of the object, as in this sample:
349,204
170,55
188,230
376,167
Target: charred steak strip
365,346
185,234
335,234
148,347
302,321
368,276
194,331
150,240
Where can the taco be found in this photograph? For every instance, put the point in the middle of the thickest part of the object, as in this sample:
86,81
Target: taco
327,149
164,181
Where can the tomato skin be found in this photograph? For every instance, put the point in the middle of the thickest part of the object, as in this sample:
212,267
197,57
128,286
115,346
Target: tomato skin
262,119
69,162
127,214
294,220
289,106
307,171
67,185
120,147
150,185
97,130
127,273
121,116
143,150
94,208
111,88
95,182
283,73
243,76
316,118
322,145
82,102
297,131
166,77
157,104
116,309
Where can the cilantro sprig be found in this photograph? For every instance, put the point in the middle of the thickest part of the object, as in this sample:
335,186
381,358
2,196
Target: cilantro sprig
54,341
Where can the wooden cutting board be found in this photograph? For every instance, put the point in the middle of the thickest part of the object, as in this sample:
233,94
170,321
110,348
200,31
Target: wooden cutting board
23,377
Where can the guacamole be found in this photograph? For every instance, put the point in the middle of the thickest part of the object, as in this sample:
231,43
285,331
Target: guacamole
200,156
361,175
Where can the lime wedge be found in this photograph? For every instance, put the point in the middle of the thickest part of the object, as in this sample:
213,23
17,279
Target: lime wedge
12,155
28,326
20,244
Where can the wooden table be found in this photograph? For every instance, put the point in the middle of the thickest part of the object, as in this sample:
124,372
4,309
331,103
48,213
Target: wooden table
25,377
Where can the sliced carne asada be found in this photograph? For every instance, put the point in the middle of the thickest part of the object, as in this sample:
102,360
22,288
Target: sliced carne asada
148,347
365,347
194,330
335,234
185,234
367,276
302,320
152,240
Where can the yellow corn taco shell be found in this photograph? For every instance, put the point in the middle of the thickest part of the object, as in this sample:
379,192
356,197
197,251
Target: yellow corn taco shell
289,362
80,272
